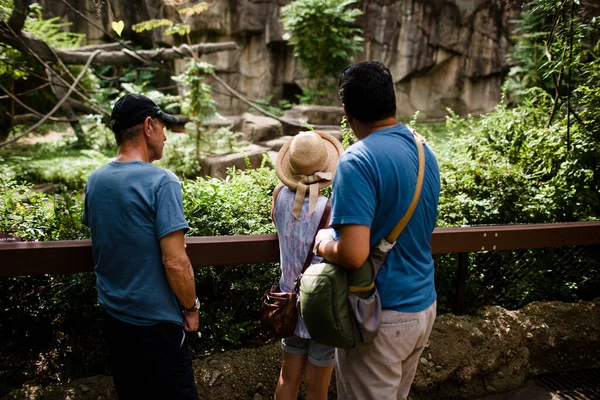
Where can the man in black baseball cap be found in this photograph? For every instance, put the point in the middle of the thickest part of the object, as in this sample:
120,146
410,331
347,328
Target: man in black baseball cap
145,282
133,109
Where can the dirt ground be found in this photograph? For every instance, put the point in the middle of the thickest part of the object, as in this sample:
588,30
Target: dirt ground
468,357
48,137
237,374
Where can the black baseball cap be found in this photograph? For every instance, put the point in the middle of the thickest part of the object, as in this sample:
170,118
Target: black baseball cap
133,109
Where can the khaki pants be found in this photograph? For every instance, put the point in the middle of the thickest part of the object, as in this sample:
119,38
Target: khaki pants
385,368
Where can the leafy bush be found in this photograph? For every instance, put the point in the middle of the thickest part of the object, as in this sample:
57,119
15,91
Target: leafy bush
278,110
58,162
238,205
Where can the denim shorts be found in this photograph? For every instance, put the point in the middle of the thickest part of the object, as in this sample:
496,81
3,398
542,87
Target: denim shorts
319,355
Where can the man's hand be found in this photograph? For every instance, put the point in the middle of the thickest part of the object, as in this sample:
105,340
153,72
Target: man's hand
191,321
324,234
352,248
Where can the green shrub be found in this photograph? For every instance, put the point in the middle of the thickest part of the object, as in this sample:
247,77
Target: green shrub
59,162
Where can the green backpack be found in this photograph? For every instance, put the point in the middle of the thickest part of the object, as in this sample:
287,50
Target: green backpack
326,304
341,307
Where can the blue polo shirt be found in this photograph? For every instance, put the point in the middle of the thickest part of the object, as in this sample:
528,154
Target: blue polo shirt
374,184
129,207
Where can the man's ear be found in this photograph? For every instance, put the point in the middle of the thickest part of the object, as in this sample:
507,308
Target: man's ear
147,126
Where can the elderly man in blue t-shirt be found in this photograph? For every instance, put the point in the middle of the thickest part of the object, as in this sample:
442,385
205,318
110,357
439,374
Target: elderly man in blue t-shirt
145,282
372,189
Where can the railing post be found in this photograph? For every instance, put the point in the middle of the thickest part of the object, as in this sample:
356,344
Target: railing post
462,271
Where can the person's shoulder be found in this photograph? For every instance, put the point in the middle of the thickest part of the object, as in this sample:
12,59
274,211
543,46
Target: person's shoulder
99,171
165,175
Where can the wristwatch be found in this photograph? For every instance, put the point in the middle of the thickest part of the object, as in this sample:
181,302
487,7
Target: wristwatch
316,248
195,307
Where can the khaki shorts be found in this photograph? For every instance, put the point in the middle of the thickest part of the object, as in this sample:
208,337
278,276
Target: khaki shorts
385,368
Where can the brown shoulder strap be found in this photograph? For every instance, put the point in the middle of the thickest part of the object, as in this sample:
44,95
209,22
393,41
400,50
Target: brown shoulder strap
275,194
413,204
322,224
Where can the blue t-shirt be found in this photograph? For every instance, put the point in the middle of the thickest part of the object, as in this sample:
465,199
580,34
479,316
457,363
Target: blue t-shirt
129,207
373,186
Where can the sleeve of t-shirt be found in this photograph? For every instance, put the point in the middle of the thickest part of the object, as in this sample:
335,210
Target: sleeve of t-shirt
354,192
169,209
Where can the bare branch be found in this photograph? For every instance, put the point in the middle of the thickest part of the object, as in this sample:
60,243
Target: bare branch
25,106
57,106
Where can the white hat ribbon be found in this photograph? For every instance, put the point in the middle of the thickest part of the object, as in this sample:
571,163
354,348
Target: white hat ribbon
308,181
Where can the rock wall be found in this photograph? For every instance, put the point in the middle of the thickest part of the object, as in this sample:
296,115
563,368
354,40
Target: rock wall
441,53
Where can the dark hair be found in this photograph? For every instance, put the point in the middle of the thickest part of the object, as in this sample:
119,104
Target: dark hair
128,134
367,91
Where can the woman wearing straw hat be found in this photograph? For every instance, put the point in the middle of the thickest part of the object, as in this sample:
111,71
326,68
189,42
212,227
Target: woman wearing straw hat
305,164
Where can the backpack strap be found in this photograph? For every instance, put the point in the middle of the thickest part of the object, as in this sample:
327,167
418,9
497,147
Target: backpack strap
387,243
322,224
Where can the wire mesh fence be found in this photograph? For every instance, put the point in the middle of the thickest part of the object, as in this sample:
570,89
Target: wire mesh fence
512,279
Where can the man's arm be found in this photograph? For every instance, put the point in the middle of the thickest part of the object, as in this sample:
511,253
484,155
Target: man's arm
352,248
180,275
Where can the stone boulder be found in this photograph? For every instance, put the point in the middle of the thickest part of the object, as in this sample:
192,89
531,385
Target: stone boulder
257,128
216,166
315,115
276,144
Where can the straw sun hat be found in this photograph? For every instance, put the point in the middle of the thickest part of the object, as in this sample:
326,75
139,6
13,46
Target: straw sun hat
308,162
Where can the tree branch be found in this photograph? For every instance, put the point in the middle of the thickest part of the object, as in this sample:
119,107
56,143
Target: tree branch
25,106
128,57
57,106
103,46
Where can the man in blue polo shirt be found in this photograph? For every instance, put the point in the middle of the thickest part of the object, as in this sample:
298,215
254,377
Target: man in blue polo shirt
145,281
372,189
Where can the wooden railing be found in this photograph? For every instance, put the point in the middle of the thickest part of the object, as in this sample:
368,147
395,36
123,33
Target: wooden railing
34,258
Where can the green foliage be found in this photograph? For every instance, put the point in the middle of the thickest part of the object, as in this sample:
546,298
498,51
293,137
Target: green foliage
51,30
198,103
180,28
324,93
46,315
549,44
278,110
37,217
179,155
59,162
324,36
348,138
238,205
507,167
6,7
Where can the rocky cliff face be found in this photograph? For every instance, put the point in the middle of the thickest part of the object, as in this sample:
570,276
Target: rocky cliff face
441,53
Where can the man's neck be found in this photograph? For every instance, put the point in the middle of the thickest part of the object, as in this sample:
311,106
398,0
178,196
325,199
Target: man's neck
132,152
362,130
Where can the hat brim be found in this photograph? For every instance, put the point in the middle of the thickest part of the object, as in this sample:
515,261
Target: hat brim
168,119
284,171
